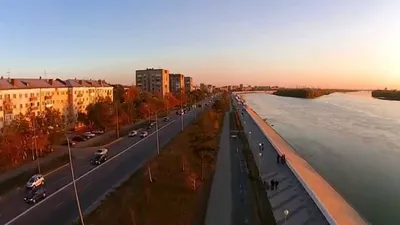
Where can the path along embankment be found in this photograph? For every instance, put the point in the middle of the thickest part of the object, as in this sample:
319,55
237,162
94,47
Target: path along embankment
335,209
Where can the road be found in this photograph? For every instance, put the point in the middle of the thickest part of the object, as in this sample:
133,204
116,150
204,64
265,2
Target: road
125,157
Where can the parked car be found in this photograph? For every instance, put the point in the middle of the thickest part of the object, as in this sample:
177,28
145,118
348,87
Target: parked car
133,133
97,132
35,195
79,138
35,181
166,119
71,143
144,134
99,156
89,134
151,125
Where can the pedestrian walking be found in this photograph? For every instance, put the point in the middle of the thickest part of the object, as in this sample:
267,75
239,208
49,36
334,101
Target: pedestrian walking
276,184
272,184
278,159
283,159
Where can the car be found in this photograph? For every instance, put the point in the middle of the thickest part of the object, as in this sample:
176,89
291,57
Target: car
133,133
79,138
166,119
35,181
89,134
144,134
35,195
97,132
199,105
99,156
71,143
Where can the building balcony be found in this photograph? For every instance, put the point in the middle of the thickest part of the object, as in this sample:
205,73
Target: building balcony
34,98
47,97
80,103
80,95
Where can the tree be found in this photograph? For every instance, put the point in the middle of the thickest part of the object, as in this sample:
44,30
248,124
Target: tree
102,114
132,101
83,118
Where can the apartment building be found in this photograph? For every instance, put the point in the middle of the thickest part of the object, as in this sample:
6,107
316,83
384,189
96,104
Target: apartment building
176,82
153,80
189,84
17,96
84,92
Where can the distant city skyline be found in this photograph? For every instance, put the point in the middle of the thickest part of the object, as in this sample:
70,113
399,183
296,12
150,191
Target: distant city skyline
326,44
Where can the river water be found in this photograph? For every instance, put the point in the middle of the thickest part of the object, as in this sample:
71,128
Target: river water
351,139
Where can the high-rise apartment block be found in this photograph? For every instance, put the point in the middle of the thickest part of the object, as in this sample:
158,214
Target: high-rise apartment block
176,82
189,84
153,80
18,96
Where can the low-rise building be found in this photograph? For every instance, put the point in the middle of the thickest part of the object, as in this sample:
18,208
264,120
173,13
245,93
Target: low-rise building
19,96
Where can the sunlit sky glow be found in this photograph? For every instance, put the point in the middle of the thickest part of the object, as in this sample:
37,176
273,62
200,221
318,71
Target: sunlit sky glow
332,43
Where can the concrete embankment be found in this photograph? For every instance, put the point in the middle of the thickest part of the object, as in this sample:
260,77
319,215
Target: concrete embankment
335,209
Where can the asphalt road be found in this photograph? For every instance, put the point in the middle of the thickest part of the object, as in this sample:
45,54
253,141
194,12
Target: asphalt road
125,157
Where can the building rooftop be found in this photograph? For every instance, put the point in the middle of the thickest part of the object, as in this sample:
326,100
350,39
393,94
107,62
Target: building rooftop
28,83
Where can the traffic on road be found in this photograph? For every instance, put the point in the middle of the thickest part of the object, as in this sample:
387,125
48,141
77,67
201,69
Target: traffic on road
96,172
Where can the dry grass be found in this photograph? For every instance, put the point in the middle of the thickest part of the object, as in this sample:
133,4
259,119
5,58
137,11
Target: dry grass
171,198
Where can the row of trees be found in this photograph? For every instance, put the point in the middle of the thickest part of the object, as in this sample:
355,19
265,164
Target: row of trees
30,135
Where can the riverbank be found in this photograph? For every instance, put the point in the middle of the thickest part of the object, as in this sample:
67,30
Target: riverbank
335,209
307,93
393,95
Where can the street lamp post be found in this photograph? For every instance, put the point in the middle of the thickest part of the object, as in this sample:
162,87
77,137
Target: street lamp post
181,111
286,213
158,140
74,182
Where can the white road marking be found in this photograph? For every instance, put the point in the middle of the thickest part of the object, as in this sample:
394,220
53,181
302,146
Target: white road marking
59,168
59,204
87,185
84,175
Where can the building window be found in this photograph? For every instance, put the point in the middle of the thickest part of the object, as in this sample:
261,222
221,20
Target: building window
20,95
38,104
37,94
20,106
1,96
58,93
14,106
32,104
14,96
62,101
1,108
26,95
26,105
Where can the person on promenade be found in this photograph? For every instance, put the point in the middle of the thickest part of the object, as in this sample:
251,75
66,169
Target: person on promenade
272,184
283,159
278,159
276,184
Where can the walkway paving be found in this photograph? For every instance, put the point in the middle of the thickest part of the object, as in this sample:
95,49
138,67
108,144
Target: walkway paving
290,194
324,205
219,208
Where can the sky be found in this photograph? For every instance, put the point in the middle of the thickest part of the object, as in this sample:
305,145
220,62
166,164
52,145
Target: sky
292,43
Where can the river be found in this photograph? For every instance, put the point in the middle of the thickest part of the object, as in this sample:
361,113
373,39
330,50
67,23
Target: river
351,139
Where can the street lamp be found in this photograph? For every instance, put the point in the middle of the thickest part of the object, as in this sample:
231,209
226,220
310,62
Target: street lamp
74,182
158,142
286,213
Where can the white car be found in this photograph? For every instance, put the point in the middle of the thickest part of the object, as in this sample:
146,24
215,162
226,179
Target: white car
101,151
35,181
144,134
133,133
89,134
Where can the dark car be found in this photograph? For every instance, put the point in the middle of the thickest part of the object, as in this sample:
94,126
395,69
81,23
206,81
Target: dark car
166,119
35,195
199,105
99,157
79,138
